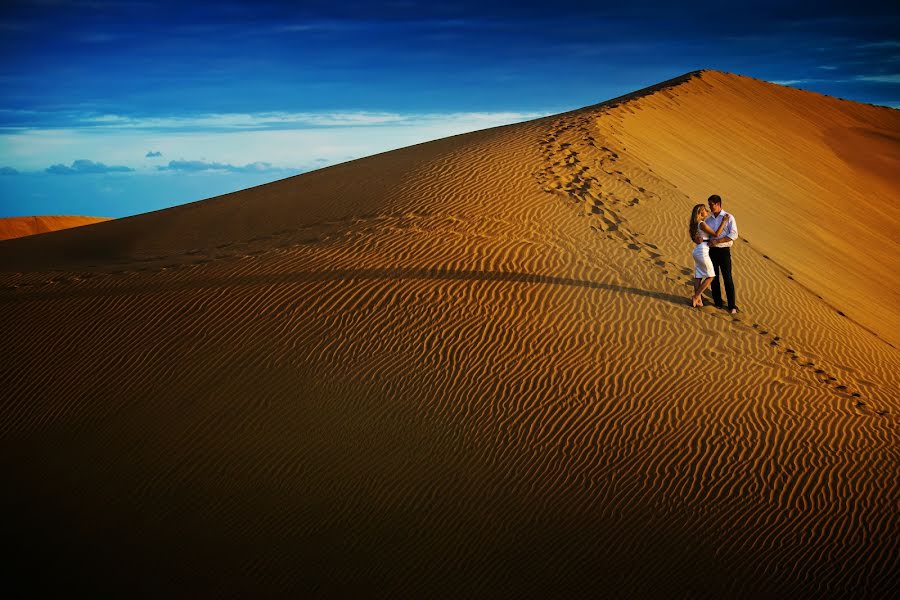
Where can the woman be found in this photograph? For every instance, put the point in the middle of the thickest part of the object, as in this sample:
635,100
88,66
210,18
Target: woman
700,234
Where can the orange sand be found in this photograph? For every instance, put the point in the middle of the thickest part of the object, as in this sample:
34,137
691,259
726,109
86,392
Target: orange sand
13,227
470,368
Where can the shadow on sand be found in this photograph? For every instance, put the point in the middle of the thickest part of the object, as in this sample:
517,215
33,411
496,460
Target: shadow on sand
64,290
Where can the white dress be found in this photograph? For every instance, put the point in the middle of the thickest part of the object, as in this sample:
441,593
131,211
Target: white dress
703,266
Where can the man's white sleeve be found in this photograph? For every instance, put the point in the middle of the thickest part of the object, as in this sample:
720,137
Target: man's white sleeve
732,229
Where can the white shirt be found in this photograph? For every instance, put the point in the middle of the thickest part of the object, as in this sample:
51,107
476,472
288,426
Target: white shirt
730,231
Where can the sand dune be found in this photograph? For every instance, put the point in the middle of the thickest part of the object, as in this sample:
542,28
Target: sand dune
470,368
13,227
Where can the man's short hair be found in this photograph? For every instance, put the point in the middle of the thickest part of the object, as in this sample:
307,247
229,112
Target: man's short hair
715,199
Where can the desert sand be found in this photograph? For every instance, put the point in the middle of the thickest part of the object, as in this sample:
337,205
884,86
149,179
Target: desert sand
13,227
470,368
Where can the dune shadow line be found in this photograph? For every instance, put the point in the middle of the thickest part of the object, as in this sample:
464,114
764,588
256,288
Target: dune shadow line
67,291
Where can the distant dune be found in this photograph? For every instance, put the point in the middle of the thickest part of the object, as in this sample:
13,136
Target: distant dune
470,368
13,227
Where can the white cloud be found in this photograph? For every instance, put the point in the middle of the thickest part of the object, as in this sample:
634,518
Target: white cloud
882,44
301,120
893,78
85,167
340,137
193,166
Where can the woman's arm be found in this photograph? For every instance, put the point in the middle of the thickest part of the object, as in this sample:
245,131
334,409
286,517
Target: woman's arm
714,234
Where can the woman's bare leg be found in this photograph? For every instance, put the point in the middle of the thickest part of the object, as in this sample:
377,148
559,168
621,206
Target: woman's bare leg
699,288
704,285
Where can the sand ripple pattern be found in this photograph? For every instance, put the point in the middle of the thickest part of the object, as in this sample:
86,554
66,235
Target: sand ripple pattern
482,380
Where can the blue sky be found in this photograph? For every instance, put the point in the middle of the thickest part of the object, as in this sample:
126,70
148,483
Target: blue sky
118,107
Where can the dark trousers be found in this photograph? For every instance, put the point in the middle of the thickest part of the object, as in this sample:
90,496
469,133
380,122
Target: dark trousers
721,260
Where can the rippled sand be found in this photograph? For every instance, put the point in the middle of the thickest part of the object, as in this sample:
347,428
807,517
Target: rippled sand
470,368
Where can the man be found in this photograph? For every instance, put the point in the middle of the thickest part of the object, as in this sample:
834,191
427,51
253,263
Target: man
720,253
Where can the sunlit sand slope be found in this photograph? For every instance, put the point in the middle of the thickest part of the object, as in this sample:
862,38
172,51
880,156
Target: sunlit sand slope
813,180
470,368
13,227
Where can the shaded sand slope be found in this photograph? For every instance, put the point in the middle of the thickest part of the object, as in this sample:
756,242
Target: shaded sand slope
13,227
462,368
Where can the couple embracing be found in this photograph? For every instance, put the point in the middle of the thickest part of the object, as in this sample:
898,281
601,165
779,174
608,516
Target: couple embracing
713,231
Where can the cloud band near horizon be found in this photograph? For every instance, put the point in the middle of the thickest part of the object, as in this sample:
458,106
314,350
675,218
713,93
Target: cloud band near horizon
235,143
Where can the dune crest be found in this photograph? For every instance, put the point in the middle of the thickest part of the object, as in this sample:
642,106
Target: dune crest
14,227
470,368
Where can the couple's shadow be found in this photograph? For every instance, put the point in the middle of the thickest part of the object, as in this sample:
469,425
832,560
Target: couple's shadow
513,276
